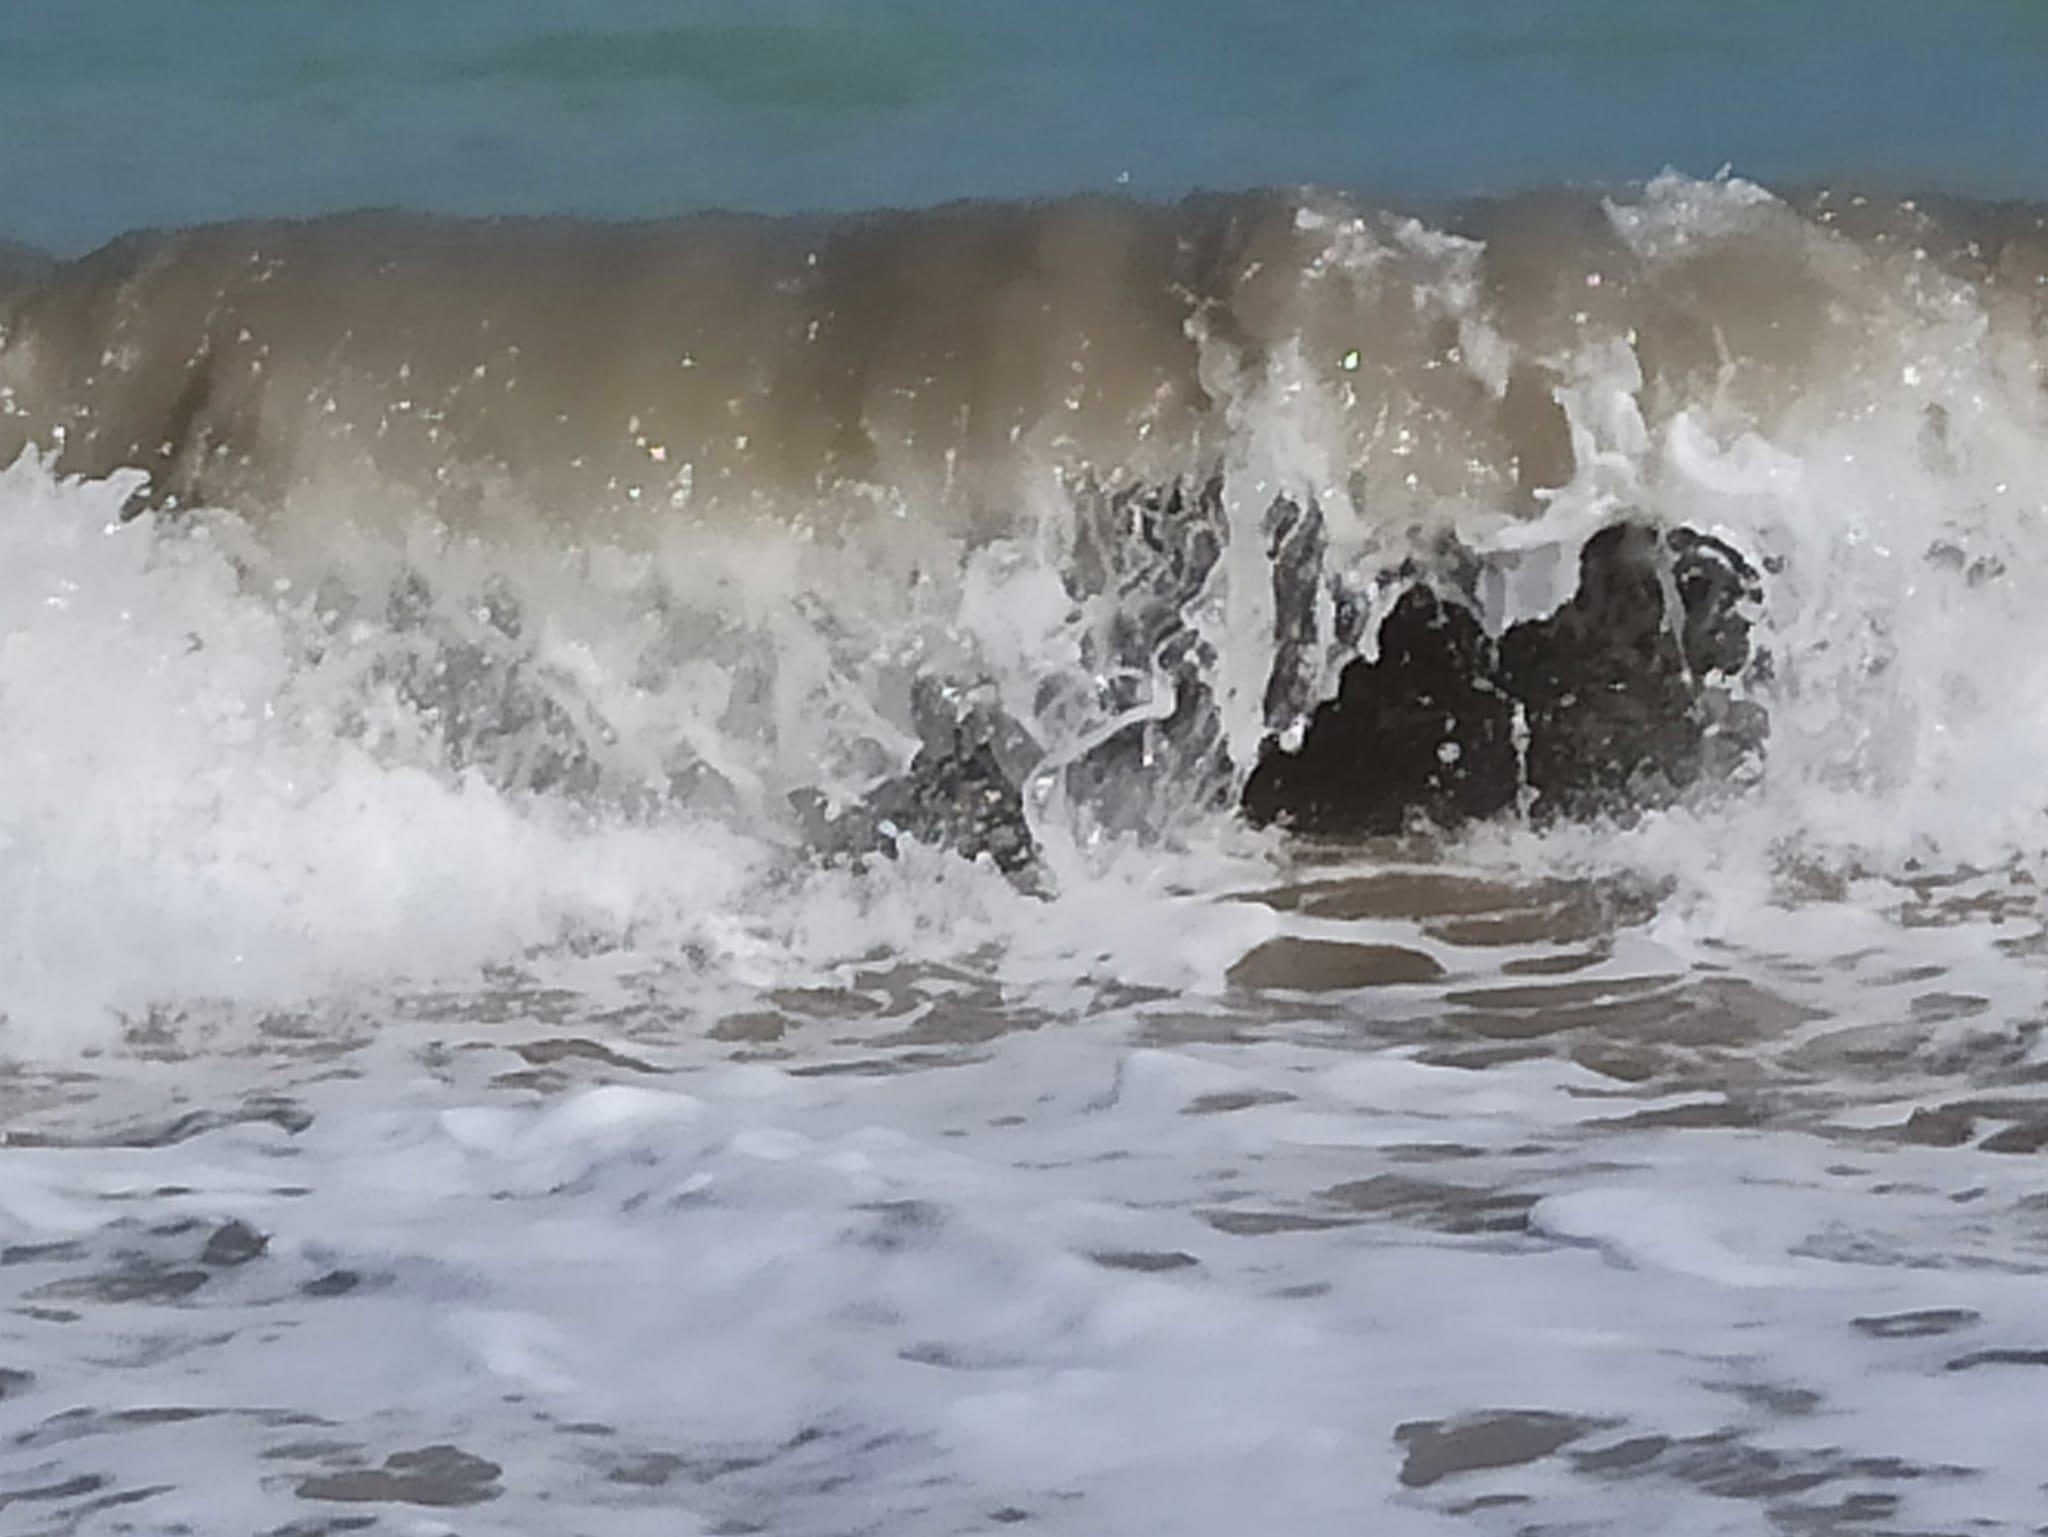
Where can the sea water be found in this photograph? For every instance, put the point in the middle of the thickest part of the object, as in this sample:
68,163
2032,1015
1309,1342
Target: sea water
124,113
446,1093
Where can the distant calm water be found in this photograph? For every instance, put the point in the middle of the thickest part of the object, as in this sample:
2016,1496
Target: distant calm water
120,113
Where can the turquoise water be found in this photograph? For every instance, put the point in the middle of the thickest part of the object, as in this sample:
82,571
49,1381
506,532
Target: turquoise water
122,113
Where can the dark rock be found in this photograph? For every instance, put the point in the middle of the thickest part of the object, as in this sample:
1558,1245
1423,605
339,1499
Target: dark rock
1421,731
1626,696
1615,686
1143,559
959,799
1715,588
962,791
1295,547
1155,543
962,799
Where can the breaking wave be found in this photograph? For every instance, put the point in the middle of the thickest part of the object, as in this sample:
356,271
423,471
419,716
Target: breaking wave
384,597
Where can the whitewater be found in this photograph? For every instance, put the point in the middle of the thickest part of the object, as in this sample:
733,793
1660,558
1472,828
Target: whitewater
490,1048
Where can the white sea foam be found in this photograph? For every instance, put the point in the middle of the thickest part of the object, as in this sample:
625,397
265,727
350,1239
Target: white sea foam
425,905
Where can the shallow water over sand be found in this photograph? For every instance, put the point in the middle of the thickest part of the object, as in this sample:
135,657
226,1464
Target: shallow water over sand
1598,1230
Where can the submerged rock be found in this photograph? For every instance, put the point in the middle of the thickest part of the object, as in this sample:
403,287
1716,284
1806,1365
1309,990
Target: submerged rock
1143,558
956,797
959,798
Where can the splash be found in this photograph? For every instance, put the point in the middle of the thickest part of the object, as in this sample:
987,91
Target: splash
474,607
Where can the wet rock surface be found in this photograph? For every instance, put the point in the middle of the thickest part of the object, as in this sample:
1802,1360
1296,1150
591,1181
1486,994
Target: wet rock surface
1143,558
1424,729
1146,743
958,798
962,791
1624,698
1620,693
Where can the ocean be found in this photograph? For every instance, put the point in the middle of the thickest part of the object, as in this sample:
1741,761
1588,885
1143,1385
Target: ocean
878,767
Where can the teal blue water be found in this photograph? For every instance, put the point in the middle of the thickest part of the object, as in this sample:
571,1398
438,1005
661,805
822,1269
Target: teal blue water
121,113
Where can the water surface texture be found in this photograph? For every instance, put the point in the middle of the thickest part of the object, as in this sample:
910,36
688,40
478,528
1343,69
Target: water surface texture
121,113
629,892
